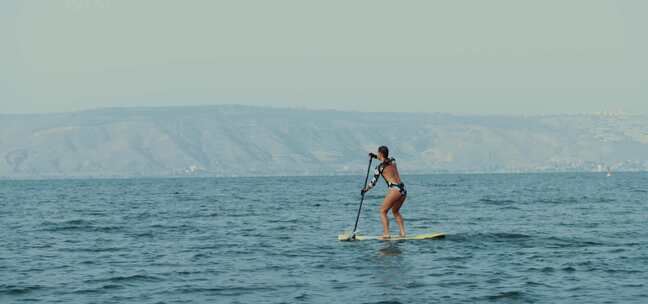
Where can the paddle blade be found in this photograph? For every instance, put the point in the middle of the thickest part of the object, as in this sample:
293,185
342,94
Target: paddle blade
345,236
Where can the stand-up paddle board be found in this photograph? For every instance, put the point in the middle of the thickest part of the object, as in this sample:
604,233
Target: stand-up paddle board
431,236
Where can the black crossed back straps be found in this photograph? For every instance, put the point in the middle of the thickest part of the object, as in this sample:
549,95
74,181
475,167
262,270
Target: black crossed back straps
384,165
379,172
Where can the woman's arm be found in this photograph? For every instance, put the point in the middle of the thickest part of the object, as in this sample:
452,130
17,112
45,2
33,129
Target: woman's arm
373,181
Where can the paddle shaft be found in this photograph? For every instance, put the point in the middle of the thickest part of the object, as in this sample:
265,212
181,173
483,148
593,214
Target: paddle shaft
355,227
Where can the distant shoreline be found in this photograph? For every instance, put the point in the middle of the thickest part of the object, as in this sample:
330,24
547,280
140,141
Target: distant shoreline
234,140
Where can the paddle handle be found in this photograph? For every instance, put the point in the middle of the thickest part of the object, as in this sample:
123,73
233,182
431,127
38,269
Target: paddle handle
355,227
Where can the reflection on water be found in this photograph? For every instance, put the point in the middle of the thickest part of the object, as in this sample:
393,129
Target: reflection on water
390,249
393,270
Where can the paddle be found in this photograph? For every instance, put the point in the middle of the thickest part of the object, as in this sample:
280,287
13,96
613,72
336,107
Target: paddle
362,199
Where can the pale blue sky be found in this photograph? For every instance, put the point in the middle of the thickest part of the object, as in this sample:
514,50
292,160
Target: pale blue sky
477,57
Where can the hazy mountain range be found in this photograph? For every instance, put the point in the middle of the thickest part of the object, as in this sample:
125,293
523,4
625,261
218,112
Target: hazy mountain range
243,141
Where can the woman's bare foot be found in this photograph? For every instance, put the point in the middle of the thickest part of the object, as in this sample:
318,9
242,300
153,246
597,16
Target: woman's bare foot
385,237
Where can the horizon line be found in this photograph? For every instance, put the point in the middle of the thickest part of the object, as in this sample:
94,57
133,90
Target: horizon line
295,108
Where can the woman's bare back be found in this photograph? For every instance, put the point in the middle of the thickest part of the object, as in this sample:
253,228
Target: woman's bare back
390,174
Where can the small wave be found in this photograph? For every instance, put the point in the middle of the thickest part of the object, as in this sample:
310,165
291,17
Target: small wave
200,256
486,237
93,249
187,198
242,214
605,200
290,221
225,290
559,201
127,279
111,286
546,269
632,285
569,242
616,250
456,258
108,229
101,289
206,246
146,234
522,239
282,228
18,290
178,227
141,216
507,295
509,236
78,225
491,201
67,225
414,285
537,284
443,185
196,215
620,271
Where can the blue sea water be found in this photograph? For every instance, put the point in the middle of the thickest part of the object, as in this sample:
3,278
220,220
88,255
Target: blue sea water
513,238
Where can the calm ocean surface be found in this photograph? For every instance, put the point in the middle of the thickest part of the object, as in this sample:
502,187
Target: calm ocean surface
517,238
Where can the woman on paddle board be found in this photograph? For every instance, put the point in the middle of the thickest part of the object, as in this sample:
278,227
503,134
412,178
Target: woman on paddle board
396,194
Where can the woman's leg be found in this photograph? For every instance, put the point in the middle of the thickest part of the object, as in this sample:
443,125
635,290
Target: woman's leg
391,198
397,215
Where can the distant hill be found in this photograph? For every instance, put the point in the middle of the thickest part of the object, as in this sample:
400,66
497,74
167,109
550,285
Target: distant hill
250,141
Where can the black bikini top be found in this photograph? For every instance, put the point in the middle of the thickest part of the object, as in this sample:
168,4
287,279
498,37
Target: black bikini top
379,172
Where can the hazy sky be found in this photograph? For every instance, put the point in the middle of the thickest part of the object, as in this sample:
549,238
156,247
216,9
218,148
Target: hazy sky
497,56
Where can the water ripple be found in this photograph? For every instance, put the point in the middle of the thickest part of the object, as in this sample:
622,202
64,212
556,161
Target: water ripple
543,238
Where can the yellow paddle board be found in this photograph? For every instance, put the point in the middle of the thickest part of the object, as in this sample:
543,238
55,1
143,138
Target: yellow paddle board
430,236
